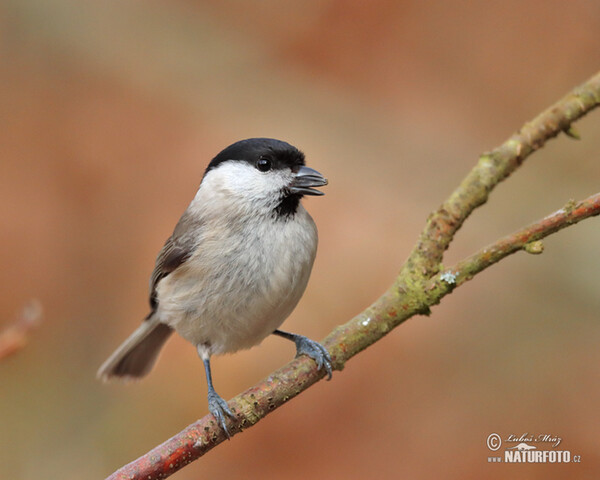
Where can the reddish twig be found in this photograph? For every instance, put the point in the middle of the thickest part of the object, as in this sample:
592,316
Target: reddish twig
205,434
15,336
420,284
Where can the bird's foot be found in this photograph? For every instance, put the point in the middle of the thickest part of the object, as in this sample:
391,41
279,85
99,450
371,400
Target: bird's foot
219,409
316,351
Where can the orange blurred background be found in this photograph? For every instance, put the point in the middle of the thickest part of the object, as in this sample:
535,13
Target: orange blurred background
110,112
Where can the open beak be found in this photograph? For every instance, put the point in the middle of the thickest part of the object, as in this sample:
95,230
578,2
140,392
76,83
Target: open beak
305,179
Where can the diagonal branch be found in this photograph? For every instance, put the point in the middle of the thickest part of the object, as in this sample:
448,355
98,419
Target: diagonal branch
419,285
495,166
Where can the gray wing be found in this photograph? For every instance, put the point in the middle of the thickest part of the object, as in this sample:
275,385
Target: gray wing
177,249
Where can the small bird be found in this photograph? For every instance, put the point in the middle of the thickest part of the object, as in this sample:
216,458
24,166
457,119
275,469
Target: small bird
235,266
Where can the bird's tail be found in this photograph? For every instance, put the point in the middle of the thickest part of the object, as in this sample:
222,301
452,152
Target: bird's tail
136,355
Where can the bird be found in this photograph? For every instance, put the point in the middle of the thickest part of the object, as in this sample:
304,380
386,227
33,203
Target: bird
235,266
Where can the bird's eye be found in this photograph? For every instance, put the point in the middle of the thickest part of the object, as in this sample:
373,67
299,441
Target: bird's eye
263,164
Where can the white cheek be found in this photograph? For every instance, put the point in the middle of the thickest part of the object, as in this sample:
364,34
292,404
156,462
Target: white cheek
240,184
244,181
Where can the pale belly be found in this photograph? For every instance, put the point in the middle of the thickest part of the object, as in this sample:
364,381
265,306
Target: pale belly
247,295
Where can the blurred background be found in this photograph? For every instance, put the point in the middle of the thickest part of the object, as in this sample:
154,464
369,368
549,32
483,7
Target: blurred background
110,112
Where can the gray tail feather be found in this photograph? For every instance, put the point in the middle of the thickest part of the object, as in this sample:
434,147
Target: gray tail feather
136,355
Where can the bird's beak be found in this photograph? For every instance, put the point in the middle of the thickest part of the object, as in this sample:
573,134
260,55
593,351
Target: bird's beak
305,179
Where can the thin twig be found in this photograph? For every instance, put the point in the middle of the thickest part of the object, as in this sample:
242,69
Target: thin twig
570,214
15,337
419,286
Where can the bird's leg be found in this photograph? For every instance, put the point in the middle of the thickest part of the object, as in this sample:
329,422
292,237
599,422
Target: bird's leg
216,405
309,347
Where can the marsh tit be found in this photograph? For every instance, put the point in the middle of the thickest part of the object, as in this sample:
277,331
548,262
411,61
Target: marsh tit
235,266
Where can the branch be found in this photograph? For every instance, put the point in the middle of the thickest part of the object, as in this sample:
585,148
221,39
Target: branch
420,284
15,336
495,166
527,239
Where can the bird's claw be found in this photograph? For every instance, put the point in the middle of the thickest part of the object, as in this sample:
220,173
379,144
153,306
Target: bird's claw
219,409
316,351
